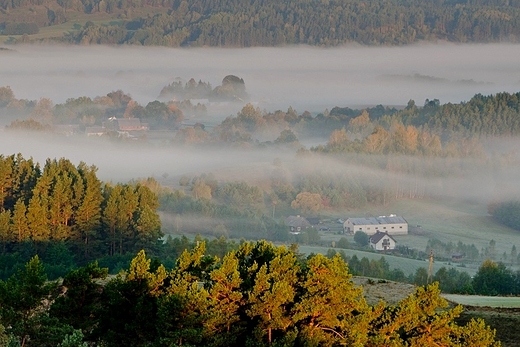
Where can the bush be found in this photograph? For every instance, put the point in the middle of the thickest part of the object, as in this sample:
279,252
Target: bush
361,238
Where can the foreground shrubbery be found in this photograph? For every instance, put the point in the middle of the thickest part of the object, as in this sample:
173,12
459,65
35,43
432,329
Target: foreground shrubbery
256,295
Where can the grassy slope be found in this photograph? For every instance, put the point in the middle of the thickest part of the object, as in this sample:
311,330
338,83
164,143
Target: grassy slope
466,222
443,220
477,300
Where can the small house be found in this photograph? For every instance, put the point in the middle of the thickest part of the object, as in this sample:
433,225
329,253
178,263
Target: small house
125,124
381,241
297,224
457,257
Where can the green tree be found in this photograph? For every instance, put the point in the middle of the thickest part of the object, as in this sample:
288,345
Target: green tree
493,279
331,310
361,238
74,340
87,219
5,229
80,304
19,227
21,300
223,323
273,293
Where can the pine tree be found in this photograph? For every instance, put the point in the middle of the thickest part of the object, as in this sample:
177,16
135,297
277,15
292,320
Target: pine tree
273,292
5,229
87,219
331,310
225,301
19,227
37,219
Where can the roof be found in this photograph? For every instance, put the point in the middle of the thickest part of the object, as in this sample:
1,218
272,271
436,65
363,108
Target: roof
392,219
297,221
313,220
378,236
129,122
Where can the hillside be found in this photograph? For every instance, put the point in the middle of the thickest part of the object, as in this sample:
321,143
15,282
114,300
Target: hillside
231,23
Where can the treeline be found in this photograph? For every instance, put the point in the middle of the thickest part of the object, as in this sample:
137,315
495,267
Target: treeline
233,88
258,295
62,202
85,111
231,23
506,212
430,129
492,278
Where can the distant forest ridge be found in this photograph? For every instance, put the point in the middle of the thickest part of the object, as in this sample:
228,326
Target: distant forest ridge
233,23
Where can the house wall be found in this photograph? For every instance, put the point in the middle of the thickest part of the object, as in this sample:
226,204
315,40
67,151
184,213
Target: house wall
371,229
379,245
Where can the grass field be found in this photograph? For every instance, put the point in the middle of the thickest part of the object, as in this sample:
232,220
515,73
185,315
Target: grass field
443,220
408,266
490,301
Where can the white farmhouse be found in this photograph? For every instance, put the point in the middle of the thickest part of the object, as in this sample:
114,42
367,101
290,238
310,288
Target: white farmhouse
382,241
392,224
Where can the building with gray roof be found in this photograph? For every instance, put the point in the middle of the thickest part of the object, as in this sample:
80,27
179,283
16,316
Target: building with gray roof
392,224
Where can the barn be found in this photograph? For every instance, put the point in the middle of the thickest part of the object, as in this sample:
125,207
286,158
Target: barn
392,224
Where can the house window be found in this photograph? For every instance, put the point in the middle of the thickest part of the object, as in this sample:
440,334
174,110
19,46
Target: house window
368,228
384,227
392,227
400,227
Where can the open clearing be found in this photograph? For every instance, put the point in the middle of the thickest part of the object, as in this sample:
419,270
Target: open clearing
481,301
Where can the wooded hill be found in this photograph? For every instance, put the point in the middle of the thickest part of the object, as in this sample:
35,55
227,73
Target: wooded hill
233,23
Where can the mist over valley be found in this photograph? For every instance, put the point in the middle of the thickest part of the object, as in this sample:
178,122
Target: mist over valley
337,155
305,78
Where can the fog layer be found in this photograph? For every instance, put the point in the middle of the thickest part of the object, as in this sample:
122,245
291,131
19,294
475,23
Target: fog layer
302,77
305,78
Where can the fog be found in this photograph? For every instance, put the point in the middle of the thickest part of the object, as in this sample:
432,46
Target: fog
302,77
305,78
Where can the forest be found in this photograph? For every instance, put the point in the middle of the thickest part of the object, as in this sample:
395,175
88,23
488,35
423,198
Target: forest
256,295
83,229
230,23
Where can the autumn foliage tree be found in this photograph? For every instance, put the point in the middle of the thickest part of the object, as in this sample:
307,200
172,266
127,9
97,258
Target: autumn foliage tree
307,203
258,294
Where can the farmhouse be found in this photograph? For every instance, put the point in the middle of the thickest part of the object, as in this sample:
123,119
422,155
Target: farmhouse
125,124
392,224
297,224
382,241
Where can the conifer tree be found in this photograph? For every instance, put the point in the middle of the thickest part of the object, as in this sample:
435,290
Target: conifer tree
19,227
222,325
5,229
273,293
331,309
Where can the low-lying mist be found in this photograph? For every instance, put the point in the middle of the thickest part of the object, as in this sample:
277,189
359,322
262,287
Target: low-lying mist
479,180
302,77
